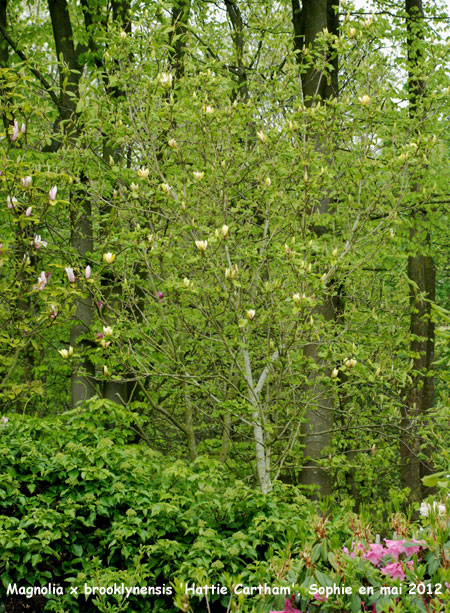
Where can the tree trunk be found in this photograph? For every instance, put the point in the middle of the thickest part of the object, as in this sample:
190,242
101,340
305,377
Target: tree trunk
308,22
422,276
81,220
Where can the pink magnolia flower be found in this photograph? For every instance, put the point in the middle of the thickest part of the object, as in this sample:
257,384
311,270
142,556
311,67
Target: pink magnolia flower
15,131
99,305
4,420
99,335
38,242
87,272
26,181
11,202
70,275
42,282
28,211
394,548
23,128
53,312
375,553
52,192
160,295
394,570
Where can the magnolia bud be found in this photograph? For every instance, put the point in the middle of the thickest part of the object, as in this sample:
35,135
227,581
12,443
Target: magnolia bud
261,137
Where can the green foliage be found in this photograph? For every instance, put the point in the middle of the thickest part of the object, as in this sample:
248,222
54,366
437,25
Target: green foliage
81,503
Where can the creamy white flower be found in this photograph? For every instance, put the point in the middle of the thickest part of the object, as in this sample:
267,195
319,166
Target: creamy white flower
251,314
364,100
165,79
201,245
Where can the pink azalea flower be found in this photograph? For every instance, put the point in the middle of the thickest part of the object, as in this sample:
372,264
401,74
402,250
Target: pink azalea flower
412,547
394,548
375,553
288,608
320,598
356,548
394,570
410,564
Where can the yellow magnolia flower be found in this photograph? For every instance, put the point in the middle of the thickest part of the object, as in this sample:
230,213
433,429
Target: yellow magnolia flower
109,257
201,245
143,172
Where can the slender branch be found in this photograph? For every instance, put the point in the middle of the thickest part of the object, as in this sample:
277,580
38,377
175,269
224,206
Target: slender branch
42,80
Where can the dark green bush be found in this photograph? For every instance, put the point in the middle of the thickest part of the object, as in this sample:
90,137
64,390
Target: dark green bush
80,502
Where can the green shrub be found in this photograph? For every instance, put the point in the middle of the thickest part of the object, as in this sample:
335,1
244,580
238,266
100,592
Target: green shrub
80,502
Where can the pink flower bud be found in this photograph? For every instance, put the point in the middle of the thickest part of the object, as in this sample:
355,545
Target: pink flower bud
99,305
52,192
26,181
160,295
87,272
28,211
70,275
15,131
10,202
53,312
23,128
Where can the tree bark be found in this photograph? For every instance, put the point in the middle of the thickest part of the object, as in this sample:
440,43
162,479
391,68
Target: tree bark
81,220
422,276
310,20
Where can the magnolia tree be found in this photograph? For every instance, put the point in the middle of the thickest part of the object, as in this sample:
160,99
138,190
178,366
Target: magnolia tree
165,239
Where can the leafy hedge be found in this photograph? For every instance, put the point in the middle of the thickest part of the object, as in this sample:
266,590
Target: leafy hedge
80,502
